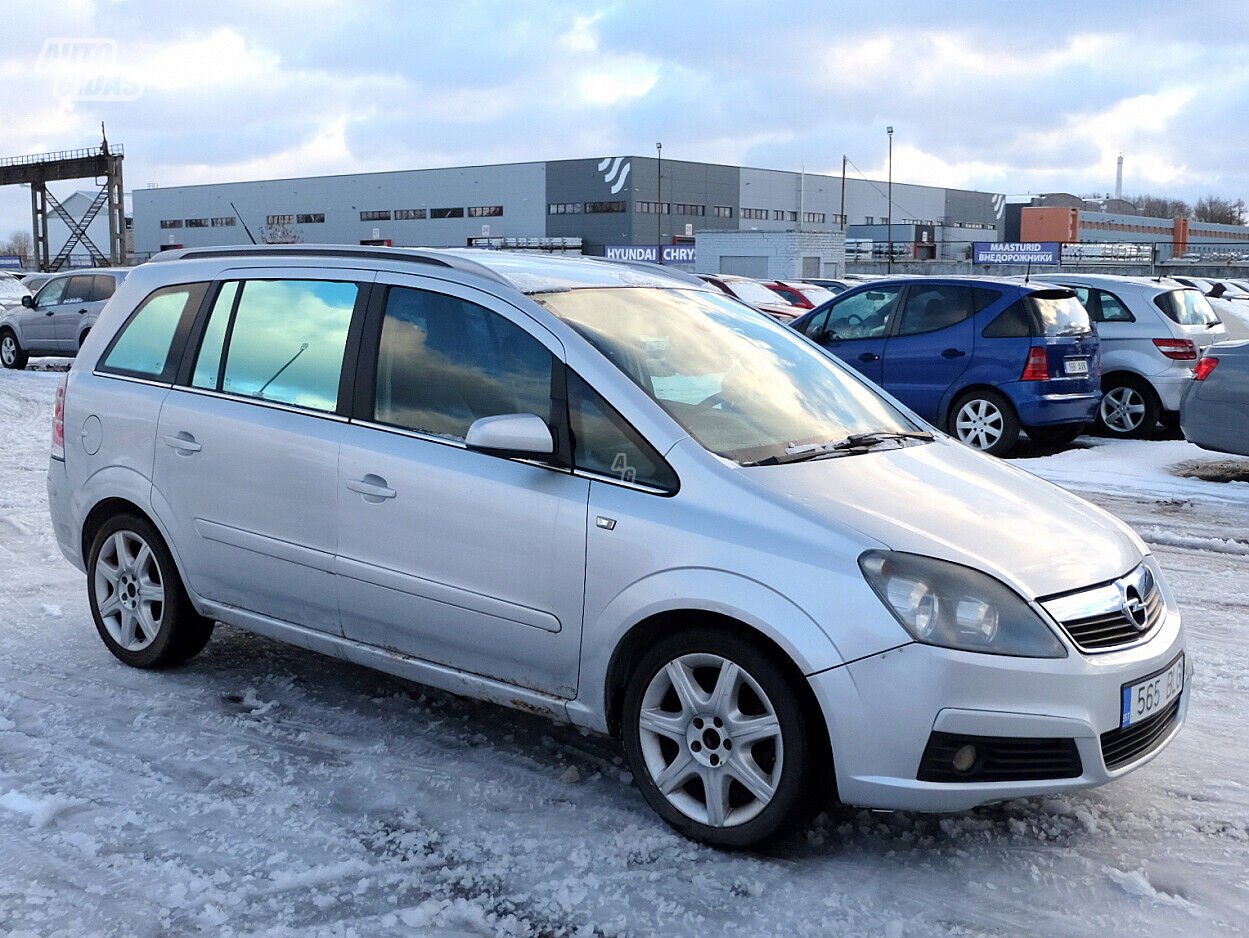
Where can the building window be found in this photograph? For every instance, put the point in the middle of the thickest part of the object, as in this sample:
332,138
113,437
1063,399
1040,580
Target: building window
687,208
171,222
280,220
197,222
225,221
564,208
485,211
760,214
314,218
409,214
816,218
375,216
455,212
724,211
601,207
651,208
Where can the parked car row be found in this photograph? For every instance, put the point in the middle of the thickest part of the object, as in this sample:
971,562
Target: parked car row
57,319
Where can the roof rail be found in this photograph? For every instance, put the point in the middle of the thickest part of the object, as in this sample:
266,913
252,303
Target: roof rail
433,257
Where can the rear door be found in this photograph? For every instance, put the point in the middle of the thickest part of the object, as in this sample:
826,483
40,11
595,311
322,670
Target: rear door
932,346
68,314
246,469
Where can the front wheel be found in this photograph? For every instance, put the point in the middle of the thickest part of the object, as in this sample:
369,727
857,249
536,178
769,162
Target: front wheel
11,354
140,607
984,420
717,739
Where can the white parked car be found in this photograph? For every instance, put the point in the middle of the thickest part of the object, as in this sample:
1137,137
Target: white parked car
614,497
1152,333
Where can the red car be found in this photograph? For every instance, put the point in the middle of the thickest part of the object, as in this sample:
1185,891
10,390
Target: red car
805,295
754,293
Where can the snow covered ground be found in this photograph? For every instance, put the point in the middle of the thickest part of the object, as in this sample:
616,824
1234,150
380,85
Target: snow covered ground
264,790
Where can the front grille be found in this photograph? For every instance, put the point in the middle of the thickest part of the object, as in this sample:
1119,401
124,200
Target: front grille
999,759
1100,619
1121,746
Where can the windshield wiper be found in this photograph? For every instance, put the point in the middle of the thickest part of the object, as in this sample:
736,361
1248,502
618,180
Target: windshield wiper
854,443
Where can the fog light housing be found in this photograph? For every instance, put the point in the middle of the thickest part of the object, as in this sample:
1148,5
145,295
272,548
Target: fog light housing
964,758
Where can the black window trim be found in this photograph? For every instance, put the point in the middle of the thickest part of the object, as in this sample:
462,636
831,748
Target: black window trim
177,346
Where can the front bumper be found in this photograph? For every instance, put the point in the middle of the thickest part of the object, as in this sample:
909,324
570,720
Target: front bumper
881,712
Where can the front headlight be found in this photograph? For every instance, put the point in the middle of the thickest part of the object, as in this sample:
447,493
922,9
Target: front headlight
942,603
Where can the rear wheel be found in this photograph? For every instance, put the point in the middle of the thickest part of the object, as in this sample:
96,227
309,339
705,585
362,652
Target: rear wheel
11,354
718,740
986,421
1129,409
140,607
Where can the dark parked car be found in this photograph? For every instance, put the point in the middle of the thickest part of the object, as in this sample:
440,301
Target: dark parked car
1215,411
981,357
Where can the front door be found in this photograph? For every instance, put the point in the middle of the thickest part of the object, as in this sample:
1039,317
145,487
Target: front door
932,346
457,557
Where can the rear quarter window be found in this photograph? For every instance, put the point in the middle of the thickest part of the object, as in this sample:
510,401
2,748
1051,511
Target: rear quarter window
144,346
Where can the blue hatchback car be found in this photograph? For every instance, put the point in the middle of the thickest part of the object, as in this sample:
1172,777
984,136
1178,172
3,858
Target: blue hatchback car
980,357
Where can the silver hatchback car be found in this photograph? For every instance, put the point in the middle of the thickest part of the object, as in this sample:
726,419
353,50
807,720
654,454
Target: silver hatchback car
615,497
56,319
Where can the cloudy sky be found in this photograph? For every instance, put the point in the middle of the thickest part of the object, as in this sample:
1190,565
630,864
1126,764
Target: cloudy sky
1001,96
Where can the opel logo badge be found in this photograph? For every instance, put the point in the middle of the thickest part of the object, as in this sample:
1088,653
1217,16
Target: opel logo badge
1134,608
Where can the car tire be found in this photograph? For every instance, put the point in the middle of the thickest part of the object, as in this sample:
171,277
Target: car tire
706,709
139,604
984,420
11,354
1055,436
1130,408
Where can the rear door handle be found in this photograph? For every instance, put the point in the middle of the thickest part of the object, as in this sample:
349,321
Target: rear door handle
373,488
953,353
869,357
81,311
183,443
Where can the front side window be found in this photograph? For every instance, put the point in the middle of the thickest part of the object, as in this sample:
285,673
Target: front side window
51,294
142,347
278,340
744,387
444,362
864,315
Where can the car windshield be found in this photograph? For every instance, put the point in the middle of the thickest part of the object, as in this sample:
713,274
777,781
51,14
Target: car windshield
753,293
1187,307
1059,312
743,386
11,291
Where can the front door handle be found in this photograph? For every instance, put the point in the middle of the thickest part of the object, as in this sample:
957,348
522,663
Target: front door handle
869,357
373,488
953,353
183,443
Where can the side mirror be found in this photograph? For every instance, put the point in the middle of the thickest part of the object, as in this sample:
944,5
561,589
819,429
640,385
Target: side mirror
28,301
511,435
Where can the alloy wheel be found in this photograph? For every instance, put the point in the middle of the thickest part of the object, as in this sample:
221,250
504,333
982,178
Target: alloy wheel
1123,409
8,351
711,740
129,590
979,423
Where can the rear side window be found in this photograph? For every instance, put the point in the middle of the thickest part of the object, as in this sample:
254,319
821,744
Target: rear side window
78,290
929,308
1014,322
444,362
605,444
278,340
142,349
102,287
1187,307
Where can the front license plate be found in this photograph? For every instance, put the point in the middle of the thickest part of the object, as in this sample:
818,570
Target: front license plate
1076,366
1145,698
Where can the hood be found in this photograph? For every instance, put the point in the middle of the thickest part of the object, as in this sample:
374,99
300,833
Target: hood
944,500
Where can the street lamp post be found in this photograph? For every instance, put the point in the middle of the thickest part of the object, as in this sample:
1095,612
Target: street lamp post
659,203
889,206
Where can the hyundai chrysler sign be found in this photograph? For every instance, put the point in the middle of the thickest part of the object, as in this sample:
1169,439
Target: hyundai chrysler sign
673,253
1015,252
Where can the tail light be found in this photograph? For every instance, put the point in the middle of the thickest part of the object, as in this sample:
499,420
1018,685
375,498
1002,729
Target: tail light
1204,367
1038,366
58,421
1182,350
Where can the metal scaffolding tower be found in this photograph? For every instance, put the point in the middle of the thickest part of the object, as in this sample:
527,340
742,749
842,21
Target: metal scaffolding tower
37,170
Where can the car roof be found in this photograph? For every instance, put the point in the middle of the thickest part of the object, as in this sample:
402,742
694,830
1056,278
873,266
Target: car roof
526,271
1146,284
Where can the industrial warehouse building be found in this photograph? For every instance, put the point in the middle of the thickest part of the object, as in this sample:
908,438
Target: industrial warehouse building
614,206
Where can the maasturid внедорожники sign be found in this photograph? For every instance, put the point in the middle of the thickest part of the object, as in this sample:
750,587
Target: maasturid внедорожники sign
1015,252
